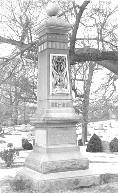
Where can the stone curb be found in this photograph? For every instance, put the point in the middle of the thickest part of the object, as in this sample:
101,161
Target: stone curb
68,182
72,184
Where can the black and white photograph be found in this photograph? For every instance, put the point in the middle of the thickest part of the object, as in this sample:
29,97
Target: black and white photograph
58,96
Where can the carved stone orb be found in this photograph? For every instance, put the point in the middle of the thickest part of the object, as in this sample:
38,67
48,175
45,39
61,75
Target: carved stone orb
52,9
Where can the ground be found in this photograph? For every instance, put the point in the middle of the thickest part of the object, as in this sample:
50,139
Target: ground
98,161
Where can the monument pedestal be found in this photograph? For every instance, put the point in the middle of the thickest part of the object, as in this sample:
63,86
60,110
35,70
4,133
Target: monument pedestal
55,149
56,163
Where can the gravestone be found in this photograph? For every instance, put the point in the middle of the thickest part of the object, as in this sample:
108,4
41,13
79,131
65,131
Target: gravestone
55,159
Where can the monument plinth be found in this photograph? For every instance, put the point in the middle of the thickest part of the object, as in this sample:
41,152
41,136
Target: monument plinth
55,147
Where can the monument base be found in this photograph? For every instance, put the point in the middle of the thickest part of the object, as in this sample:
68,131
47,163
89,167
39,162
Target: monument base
60,181
62,159
48,172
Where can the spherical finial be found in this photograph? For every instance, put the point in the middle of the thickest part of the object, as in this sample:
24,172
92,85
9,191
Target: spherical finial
52,9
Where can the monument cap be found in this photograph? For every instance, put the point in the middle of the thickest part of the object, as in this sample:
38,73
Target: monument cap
52,9
53,23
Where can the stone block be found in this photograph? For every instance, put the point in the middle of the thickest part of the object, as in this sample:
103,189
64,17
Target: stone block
61,181
56,162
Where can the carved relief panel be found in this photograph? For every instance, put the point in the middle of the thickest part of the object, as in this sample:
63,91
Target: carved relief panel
59,75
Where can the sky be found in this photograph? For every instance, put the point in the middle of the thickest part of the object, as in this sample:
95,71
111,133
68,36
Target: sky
100,77
5,50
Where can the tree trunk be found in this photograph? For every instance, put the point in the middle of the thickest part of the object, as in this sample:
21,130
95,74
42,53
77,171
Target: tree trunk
87,87
16,113
16,106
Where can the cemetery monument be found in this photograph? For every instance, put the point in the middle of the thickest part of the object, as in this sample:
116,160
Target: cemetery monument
55,161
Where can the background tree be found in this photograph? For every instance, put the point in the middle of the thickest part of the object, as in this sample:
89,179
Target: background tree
18,88
20,22
101,42
93,40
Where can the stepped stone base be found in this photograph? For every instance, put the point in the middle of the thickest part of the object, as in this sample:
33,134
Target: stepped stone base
61,181
52,171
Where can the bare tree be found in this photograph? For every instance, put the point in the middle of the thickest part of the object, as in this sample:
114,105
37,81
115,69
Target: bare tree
21,22
23,17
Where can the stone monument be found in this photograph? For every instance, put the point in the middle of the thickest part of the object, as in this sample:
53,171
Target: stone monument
55,161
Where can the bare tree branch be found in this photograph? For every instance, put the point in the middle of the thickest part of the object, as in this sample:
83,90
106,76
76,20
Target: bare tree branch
10,41
76,26
95,55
